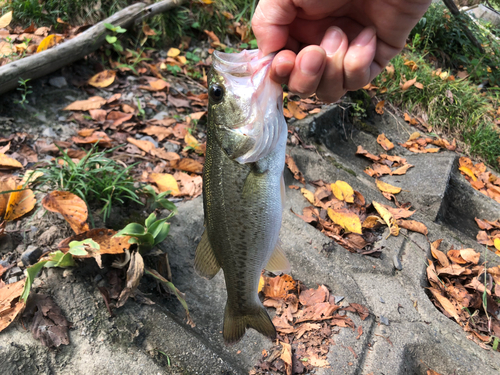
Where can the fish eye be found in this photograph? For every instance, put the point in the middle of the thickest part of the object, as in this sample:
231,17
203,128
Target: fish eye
216,93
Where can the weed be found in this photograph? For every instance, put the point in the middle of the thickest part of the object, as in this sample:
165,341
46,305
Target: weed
96,179
25,91
113,39
154,201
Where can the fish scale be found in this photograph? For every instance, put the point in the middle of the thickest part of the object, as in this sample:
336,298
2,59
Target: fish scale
243,186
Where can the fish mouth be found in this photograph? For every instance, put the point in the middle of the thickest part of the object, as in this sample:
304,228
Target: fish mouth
243,64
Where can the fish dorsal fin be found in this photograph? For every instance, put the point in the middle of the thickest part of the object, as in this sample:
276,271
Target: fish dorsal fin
205,263
278,262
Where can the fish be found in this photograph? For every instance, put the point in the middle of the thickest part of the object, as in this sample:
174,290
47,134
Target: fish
243,186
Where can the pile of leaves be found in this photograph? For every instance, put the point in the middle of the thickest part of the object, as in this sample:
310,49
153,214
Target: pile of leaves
342,214
467,292
489,235
419,144
480,179
305,320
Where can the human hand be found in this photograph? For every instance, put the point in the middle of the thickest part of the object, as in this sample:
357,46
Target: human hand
333,45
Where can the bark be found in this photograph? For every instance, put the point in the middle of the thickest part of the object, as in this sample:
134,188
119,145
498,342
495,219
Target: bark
48,61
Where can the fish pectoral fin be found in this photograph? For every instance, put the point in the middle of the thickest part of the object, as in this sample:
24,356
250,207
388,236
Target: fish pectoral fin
205,262
278,262
234,144
236,324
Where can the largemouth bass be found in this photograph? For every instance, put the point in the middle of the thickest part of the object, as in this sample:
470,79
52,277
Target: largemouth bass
243,187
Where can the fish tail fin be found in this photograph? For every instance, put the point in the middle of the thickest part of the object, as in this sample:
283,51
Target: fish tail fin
235,325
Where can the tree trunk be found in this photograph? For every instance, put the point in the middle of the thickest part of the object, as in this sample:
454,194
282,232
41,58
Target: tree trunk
48,61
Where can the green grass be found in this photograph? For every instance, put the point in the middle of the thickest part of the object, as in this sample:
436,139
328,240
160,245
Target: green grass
97,179
455,108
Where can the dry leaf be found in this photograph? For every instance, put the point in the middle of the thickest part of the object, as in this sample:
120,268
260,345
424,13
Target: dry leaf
343,191
10,303
296,111
19,203
384,142
96,137
160,132
362,151
188,165
379,108
173,52
309,195
409,84
347,220
49,42
164,154
165,182
446,304
387,188
134,274
290,163
413,225
5,20
402,170
104,237
143,145
94,102
70,206
6,185
103,79
9,163
388,218
278,287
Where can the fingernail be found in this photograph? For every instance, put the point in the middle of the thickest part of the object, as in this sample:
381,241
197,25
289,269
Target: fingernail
283,67
364,37
331,41
312,61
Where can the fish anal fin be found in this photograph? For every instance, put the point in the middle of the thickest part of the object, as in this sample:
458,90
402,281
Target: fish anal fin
205,262
235,324
278,263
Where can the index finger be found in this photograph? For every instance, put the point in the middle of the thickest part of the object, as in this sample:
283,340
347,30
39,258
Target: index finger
270,24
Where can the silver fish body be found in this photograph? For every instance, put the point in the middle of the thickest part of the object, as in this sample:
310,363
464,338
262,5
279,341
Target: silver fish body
243,186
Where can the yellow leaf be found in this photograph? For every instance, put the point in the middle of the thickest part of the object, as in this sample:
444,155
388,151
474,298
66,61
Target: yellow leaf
5,19
172,52
20,203
6,185
413,136
347,220
384,142
261,284
343,191
192,142
468,172
444,76
379,108
9,163
30,176
208,2
419,85
103,79
496,242
165,182
409,84
388,218
182,59
48,42
387,188
309,195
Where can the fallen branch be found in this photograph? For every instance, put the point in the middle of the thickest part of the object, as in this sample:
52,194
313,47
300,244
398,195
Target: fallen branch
48,61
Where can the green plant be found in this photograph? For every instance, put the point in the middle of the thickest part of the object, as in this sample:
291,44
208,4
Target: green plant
174,69
113,39
25,91
148,235
137,58
96,178
140,110
155,201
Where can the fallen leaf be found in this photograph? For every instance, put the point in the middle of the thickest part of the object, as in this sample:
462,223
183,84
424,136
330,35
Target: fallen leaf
148,30
343,191
19,203
193,143
384,142
48,324
402,170
347,220
188,165
94,102
413,225
387,217
103,79
10,303
379,108
134,273
9,163
49,42
104,237
419,85
290,163
96,137
445,303
468,172
309,195
286,356
409,84
296,111
362,151
173,52
387,188
470,255
164,154
160,132
143,145
165,182
5,20
156,85
70,206
278,287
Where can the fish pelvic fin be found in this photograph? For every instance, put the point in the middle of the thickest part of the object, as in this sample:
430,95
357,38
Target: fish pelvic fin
278,262
235,324
205,262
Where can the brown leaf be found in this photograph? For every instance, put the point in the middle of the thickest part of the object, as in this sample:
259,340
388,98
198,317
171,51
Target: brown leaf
456,257
402,170
286,356
470,255
19,203
143,145
362,151
10,304
97,137
156,85
165,182
148,30
379,108
134,274
94,102
6,185
413,225
164,154
160,132
384,142
102,79
290,163
278,287
49,324
439,255
409,84
311,297
104,237
296,111
445,303
188,165
9,163
361,310
432,275
70,206
118,117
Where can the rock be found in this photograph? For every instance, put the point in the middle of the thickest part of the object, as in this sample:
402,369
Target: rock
58,82
16,271
171,147
49,133
384,320
161,115
150,139
154,102
41,117
4,263
48,237
12,280
6,244
31,255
